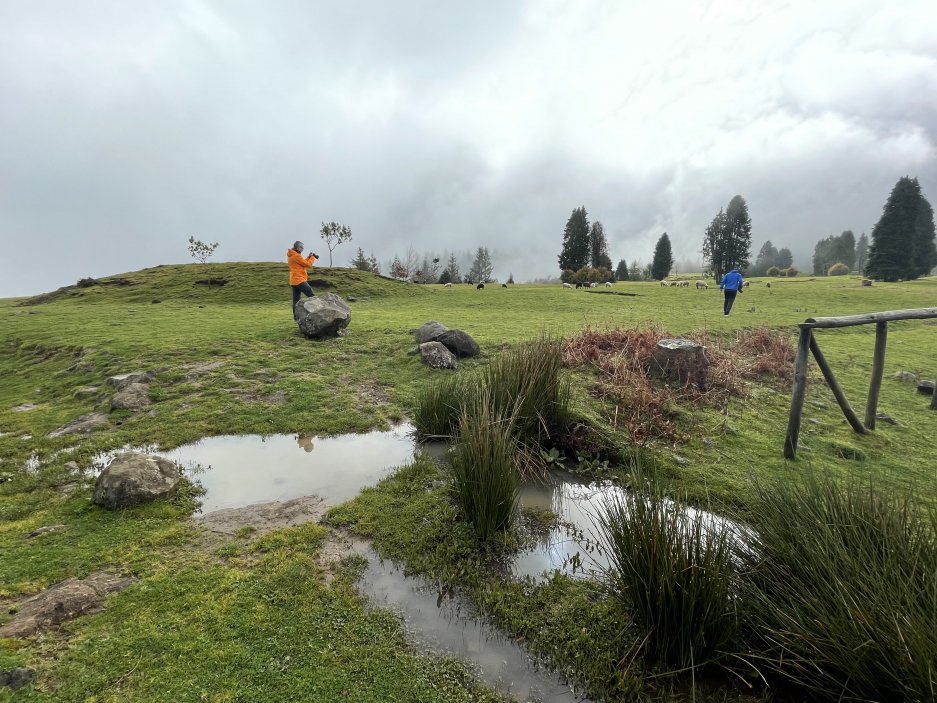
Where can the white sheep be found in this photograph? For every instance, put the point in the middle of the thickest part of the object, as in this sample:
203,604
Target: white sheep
448,285
608,284
664,284
567,285
593,285
701,284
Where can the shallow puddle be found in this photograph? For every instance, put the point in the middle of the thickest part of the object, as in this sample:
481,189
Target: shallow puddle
445,623
571,547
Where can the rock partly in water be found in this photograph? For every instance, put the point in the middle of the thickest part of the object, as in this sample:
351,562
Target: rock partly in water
459,343
135,478
325,316
134,396
83,425
435,355
125,379
62,602
429,331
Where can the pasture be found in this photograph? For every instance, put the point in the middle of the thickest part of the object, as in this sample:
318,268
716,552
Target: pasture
223,625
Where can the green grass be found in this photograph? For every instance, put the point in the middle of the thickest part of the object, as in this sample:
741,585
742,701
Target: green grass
51,350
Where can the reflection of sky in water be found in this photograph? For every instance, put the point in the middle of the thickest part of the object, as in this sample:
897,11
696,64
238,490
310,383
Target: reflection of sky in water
571,547
446,623
238,470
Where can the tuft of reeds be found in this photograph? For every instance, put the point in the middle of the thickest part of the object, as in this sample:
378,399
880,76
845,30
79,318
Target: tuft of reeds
840,596
485,480
673,571
524,383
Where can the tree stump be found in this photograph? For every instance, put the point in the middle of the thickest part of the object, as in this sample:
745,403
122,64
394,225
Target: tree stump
681,360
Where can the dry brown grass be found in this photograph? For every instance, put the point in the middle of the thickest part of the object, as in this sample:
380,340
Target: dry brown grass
646,406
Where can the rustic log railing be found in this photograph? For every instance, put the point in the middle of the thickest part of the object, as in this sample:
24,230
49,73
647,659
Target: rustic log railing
808,343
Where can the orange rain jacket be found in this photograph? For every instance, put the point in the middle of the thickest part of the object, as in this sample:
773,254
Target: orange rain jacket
298,266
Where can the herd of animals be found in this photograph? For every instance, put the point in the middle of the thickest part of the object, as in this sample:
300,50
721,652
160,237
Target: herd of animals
608,284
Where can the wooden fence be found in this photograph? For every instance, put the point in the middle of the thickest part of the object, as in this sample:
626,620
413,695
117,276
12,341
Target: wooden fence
809,343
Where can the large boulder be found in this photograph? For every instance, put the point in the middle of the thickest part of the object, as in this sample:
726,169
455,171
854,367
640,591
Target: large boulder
435,355
429,331
135,478
83,425
459,343
134,397
322,316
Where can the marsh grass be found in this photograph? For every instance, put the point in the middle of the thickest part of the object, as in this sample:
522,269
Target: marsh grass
524,383
485,480
674,573
841,592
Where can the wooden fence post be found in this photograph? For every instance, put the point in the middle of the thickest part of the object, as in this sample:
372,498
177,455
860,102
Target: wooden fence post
844,405
797,396
878,368
933,398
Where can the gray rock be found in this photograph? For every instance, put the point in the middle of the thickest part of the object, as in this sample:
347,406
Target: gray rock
906,376
926,387
814,421
44,530
25,407
134,397
86,392
325,316
125,379
413,351
429,331
61,602
886,418
16,678
135,478
459,343
681,460
435,355
83,425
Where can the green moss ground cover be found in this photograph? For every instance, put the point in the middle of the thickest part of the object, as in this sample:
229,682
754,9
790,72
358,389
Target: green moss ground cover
76,337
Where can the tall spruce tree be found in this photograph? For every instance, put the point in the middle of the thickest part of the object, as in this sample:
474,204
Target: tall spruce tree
862,252
576,245
899,247
767,257
621,273
713,256
663,259
727,242
785,259
360,262
481,266
598,247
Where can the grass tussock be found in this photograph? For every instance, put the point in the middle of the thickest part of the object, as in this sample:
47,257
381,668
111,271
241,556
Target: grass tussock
644,405
841,592
485,480
524,383
673,572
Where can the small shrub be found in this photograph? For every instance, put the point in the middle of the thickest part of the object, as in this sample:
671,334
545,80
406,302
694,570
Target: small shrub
485,481
838,270
841,586
790,272
674,573
773,271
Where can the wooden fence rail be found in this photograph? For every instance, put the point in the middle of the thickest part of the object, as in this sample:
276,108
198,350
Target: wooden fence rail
808,343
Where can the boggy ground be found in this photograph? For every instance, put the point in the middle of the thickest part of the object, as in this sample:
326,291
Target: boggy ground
253,618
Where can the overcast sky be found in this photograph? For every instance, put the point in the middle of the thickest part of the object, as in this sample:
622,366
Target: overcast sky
127,126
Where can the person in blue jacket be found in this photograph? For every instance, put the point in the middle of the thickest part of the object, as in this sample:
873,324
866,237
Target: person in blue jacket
732,285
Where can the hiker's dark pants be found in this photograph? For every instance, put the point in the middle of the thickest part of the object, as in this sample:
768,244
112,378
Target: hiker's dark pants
730,298
298,290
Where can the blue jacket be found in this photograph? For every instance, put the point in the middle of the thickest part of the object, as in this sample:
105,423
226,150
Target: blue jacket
732,281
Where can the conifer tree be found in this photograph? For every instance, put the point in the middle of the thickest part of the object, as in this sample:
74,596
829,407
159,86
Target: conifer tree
621,273
663,259
598,247
902,245
576,244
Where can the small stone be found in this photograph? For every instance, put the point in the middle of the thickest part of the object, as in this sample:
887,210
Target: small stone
681,460
83,425
44,530
125,379
818,405
86,392
72,466
25,407
814,421
926,387
16,678
708,443
885,417
350,298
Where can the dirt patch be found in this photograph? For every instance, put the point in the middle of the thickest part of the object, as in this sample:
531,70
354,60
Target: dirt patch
371,393
63,601
263,517
246,395
194,371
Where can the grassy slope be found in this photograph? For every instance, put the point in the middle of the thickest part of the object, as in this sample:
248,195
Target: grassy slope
367,379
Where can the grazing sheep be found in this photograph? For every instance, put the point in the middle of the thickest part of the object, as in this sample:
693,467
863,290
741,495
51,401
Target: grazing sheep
608,284
567,285
480,286
448,285
578,286
747,284
664,284
701,284
593,285
504,285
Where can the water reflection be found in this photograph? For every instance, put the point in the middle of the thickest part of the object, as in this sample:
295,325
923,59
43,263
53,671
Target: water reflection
441,620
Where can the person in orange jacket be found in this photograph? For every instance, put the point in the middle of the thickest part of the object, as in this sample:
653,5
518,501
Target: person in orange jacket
299,279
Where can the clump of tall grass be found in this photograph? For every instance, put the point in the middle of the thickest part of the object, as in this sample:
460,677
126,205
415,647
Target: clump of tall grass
485,481
524,383
840,597
673,571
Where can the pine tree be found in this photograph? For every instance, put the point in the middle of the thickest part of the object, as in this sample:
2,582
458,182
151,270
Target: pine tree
598,247
360,262
925,253
712,244
785,259
727,241
452,268
511,278
576,244
481,267
895,241
373,266
621,273
767,257
663,259
862,252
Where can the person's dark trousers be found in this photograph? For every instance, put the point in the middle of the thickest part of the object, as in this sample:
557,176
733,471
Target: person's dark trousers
730,299
298,290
